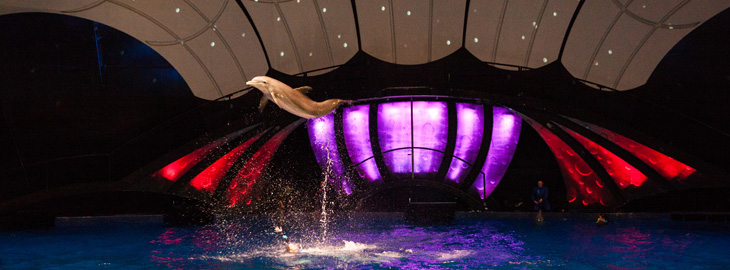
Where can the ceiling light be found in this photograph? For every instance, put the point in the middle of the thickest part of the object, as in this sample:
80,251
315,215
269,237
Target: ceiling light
610,52
544,60
212,44
345,45
281,54
310,53
177,10
476,40
324,10
523,37
408,13
448,42
596,63
382,8
555,14
278,19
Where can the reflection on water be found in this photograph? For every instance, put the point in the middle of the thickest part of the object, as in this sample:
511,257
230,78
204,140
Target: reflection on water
365,243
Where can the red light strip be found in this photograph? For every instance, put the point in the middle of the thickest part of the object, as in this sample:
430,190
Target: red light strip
580,180
209,178
251,171
666,166
621,171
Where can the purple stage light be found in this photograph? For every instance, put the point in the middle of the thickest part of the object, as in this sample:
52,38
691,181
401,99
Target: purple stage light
505,135
322,137
430,130
355,122
394,132
469,132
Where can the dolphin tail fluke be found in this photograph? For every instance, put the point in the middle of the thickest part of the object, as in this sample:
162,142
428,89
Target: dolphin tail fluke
262,103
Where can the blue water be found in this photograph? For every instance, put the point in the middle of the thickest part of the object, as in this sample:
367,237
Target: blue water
368,243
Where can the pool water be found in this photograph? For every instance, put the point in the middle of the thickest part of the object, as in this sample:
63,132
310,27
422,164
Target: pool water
368,243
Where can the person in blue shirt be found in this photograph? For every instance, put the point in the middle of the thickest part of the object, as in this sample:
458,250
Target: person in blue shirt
539,197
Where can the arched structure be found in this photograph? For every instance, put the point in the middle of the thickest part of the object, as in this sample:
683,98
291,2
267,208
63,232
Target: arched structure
218,45
465,144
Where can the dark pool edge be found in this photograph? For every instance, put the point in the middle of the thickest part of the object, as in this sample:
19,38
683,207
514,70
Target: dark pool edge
400,216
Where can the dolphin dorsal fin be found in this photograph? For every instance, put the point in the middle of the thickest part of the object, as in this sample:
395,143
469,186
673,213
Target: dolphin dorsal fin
303,89
262,103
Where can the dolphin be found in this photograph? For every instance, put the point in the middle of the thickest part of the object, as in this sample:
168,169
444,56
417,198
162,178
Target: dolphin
292,100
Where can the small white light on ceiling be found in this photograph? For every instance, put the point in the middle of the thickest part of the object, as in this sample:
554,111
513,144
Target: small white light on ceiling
643,6
408,13
212,44
281,54
243,35
345,45
177,10
596,63
298,1
534,23
610,52
671,27
555,14
448,42
382,8
476,40
523,37
278,19
544,60
339,36
475,10
310,53
324,9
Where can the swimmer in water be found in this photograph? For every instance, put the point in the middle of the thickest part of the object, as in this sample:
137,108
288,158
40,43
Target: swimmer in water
290,247
602,220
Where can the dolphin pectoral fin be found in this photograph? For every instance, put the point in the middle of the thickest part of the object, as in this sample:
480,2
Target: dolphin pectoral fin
262,103
303,89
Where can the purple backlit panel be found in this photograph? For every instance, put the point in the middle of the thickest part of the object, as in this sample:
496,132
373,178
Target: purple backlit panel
505,135
394,131
322,137
469,131
430,130
355,123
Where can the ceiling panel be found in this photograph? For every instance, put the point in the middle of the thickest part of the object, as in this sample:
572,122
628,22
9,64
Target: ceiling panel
698,11
175,15
593,24
652,10
241,38
273,31
448,27
212,52
520,20
339,22
209,8
484,23
376,32
616,50
412,22
550,33
648,57
307,30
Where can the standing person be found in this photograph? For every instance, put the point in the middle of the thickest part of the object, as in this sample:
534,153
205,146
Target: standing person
539,197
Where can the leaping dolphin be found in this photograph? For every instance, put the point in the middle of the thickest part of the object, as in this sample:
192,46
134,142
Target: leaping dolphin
292,100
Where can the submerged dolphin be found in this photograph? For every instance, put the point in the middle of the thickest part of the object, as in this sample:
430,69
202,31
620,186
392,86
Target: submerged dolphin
292,100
